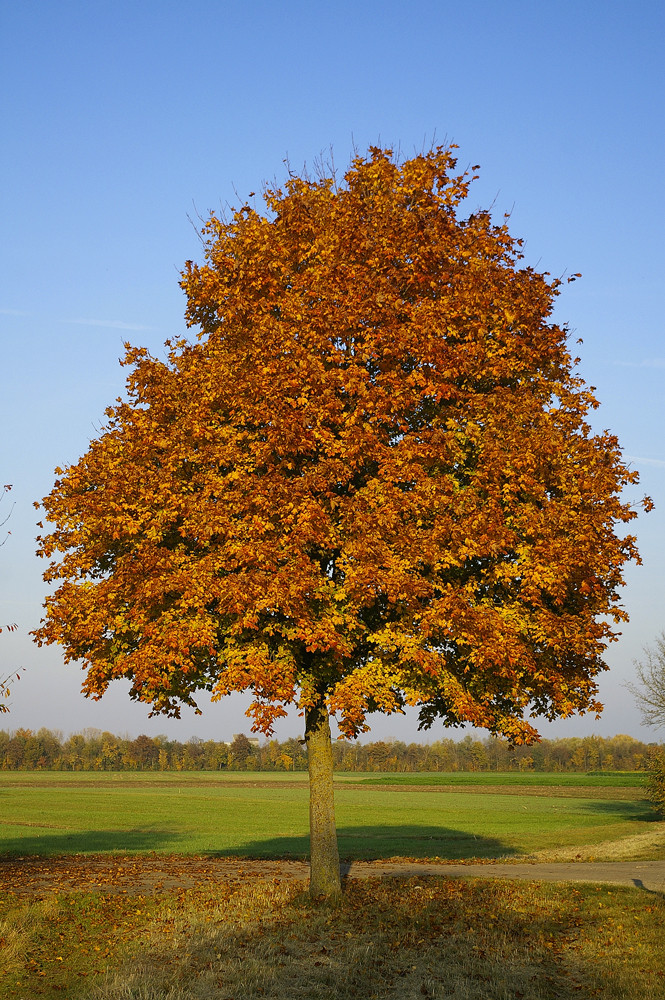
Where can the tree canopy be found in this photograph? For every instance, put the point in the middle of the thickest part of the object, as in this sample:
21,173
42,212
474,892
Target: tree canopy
370,482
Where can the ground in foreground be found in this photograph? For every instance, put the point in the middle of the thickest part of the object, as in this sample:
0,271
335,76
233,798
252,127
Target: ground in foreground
242,937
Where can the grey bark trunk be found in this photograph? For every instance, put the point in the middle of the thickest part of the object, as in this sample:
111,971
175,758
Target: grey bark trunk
323,852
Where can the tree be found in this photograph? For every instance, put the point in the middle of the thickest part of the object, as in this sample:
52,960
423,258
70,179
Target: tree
649,692
143,751
368,483
5,489
6,682
239,750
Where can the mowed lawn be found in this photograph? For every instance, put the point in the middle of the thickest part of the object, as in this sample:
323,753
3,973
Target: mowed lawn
266,815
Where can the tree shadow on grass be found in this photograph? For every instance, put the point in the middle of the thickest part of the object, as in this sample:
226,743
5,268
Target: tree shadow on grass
406,938
355,843
50,843
374,842
638,810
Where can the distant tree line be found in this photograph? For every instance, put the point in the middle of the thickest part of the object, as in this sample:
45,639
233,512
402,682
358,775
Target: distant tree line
92,750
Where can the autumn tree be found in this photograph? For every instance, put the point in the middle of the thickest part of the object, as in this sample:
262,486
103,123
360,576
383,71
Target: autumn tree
143,751
239,750
369,482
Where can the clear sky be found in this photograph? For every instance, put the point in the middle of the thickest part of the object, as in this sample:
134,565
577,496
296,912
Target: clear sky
123,123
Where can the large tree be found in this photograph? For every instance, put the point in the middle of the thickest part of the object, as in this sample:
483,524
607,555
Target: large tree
369,483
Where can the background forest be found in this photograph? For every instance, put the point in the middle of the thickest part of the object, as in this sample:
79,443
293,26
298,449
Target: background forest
92,750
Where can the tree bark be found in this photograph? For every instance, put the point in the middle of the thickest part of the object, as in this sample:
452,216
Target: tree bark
324,877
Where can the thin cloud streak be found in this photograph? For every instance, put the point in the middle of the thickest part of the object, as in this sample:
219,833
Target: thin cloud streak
660,462
109,324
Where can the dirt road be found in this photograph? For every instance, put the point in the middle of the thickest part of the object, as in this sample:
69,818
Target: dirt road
149,874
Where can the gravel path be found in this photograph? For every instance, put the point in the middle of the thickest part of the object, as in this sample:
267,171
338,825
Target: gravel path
648,875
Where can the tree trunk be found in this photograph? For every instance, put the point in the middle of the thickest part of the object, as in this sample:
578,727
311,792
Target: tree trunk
324,877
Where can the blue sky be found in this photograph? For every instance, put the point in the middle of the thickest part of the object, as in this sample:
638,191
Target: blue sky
122,124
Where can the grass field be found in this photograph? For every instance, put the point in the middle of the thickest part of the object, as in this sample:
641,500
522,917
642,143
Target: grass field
527,779
259,815
592,779
392,940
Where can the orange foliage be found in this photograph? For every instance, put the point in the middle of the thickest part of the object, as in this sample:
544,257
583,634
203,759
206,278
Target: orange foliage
369,483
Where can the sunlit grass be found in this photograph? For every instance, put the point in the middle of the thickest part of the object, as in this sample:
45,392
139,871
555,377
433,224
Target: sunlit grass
646,846
526,779
138,813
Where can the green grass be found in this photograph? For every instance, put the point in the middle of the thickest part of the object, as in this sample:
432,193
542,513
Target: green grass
437,938
45,815
590,779
597,779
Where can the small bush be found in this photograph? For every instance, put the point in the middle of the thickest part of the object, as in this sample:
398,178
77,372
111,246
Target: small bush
655,765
